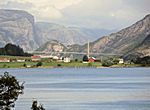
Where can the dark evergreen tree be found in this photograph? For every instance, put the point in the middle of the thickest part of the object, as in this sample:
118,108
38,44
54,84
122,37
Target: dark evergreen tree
144,60
39,64
85,58
13,50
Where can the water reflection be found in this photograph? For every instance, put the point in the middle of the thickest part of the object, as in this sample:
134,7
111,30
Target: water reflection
85,89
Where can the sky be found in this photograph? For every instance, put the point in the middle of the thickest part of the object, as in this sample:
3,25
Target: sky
104,14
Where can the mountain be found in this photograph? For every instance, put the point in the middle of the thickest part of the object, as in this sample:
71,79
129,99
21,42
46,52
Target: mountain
144,48
66,35
141,51
53,46
133,38
17,27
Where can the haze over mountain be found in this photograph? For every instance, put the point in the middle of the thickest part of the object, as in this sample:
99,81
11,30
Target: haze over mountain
133,39
66,35
19,27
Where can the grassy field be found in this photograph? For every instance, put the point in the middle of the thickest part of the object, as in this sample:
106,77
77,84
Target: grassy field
51,64
48,64
45,63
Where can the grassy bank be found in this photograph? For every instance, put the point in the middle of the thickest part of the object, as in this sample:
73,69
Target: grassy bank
47,64
60,64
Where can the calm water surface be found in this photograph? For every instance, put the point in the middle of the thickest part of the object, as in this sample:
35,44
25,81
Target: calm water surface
85,88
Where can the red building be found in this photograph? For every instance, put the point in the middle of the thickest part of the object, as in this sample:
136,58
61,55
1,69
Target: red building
35,58
92,59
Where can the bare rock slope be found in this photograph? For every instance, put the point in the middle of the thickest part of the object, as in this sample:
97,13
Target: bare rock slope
17,27
132,39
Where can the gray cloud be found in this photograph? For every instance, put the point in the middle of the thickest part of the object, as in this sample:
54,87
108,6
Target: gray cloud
110,14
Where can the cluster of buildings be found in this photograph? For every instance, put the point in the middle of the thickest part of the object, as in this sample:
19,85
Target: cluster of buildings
38,58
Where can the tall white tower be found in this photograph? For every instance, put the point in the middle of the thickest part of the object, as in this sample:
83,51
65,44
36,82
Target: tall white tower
88,49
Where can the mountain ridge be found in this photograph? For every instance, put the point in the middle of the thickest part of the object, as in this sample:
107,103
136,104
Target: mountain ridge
19,27
123,41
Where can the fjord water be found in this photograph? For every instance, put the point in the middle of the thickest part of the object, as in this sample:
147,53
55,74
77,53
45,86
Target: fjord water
85,88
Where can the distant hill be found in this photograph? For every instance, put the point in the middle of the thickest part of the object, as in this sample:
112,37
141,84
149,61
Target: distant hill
66,35
133,39
18,27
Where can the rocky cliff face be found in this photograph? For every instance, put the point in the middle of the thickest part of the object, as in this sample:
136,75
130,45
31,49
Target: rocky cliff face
17,27
124,41
52,46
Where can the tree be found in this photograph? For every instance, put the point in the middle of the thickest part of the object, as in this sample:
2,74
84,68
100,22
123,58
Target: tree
76,60
13,50
10,89
110,61
144,60
85,58
39,64
36,107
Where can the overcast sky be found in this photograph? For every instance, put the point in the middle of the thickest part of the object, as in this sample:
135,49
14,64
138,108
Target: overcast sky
106,14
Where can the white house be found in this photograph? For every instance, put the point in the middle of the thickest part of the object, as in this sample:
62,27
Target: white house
121,61
66,59
19,60
55,57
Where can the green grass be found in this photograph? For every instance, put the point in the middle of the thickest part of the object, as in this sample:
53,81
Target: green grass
16,64
71,64
48,64
61,64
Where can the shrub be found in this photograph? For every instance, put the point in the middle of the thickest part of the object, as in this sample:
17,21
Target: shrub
76,60
107,63
24,65
39,64
59,65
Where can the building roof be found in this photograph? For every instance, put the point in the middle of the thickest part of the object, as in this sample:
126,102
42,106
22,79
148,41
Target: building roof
35,57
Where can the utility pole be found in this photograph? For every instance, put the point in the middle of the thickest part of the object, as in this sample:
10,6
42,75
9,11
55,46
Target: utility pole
88,49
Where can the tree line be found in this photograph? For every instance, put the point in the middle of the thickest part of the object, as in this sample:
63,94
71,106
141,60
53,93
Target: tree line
13,50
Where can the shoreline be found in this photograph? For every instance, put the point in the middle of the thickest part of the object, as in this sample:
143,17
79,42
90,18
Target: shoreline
52,67
66,65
